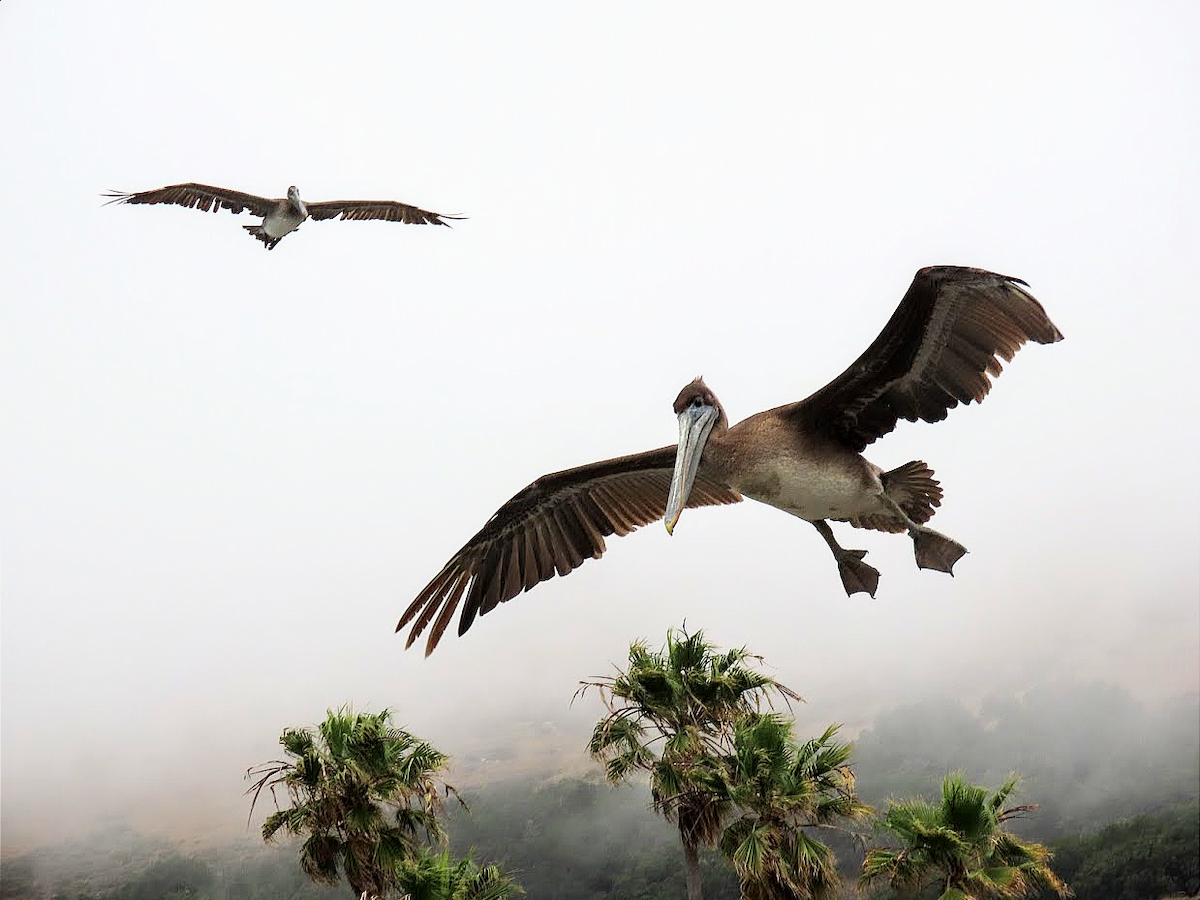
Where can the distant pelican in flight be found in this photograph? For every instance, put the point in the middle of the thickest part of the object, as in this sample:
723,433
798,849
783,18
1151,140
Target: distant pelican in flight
936,351
283,216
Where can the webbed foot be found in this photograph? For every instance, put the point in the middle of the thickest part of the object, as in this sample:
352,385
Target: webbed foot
857,576
936,551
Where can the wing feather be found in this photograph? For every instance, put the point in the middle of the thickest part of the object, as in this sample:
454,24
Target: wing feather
947,336
389,210
203,197
447,613
544,551
623,521
551,527
558,546
514,580
457,583
531,569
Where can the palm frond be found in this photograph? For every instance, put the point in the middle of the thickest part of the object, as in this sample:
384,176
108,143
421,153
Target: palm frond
962,841
616,733
319,857
749,853
996,803
996,879
391,847
296,741
964,807
293,820
490,884
692,716
412,821
620,767
362,790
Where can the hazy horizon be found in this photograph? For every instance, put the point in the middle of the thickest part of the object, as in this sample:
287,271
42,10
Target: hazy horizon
1136,752
225,472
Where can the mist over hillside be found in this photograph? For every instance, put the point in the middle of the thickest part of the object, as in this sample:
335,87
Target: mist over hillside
1086,752
1089,753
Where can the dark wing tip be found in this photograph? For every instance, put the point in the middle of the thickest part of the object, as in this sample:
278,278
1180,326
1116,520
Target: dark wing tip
424,217
1038,326
549,529
378,210
941,347
966,272
408,616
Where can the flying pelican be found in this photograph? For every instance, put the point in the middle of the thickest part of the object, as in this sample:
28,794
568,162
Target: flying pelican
935,352
280,217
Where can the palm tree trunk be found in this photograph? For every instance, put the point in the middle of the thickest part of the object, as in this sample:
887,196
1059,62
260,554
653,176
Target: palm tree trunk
691,870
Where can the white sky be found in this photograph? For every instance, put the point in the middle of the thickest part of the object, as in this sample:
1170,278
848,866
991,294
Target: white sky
225,472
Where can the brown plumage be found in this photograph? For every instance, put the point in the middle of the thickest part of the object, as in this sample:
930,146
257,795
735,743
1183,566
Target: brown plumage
386,210
283,215
914,488
550,528
203,197
937,350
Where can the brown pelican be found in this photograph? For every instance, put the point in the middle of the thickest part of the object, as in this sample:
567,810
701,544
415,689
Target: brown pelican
936,351
280,217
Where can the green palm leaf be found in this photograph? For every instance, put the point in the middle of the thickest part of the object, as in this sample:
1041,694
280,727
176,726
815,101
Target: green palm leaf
670,714
362,793
961,841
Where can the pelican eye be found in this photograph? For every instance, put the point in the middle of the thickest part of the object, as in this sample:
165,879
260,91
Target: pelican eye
697,401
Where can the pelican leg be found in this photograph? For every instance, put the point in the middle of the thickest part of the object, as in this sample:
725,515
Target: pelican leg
933,549
856,575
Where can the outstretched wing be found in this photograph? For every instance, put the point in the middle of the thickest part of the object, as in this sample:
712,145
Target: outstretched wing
550,528
390,210
936,351
203,197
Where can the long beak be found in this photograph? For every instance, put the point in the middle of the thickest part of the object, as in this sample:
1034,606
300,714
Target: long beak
695,423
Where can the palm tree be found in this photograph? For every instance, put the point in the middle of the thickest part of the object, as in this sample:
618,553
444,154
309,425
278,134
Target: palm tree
962,843
779,788
669,714
362,794
430,876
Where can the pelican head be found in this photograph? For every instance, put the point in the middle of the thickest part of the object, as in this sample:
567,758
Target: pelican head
294,197
698,410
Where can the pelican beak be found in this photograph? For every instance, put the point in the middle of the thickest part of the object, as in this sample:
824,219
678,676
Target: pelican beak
294,196
695,423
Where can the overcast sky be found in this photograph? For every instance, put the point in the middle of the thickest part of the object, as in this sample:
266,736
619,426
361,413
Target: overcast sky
225,472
